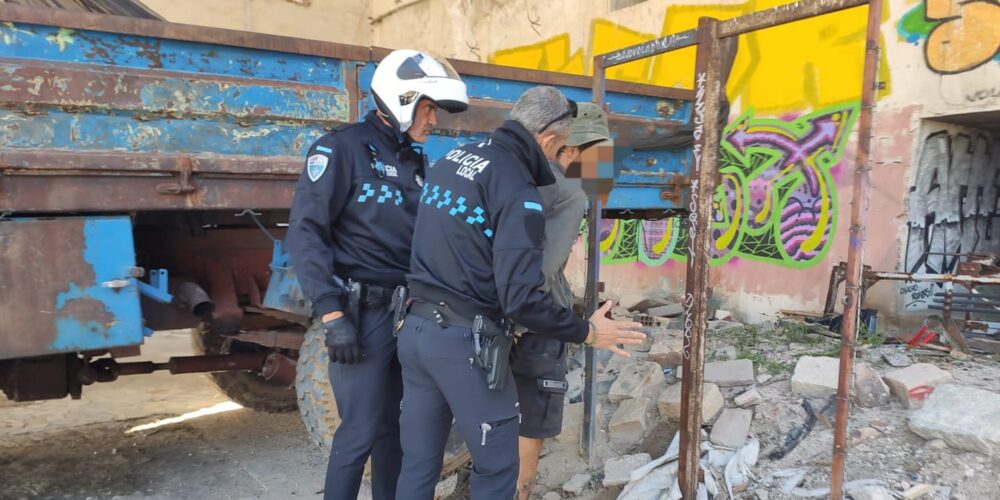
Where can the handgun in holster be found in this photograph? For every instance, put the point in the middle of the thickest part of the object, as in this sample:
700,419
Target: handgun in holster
493,344
354,303
400,307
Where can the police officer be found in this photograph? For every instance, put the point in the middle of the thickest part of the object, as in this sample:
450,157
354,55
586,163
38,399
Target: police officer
539,362
349,240
477,251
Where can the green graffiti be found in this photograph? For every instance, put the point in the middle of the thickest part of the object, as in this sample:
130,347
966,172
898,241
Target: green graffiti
776,203
914,25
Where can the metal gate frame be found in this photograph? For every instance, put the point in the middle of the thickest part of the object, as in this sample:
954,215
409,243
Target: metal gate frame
711,38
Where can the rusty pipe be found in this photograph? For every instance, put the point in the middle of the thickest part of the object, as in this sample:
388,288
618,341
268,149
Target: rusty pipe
279,368
194,299
250,361
108,369
861,193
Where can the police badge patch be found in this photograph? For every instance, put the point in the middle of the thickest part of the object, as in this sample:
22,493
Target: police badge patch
315,166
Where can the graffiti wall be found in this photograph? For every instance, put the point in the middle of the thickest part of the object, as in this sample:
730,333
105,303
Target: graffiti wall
777,202
957,36
952,205
814,63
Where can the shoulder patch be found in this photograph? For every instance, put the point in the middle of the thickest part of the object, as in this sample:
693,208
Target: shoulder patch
324,149
531,205
316,166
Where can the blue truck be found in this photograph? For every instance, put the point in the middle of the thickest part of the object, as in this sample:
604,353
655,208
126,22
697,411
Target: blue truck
146,174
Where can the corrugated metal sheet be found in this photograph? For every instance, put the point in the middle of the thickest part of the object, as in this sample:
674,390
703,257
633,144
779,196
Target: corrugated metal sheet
127,8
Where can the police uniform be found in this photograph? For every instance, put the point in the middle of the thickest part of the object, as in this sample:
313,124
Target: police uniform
352,219
477,250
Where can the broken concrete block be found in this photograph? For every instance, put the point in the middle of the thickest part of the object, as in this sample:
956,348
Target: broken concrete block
869,389
728,353
897,359
729,373
618,470
551,496
913,384
872,493
964,417
749,398
919,491
712,402
722,314
667,311
668,349
732,428
577,484
815,377
635,380
628,424
446,488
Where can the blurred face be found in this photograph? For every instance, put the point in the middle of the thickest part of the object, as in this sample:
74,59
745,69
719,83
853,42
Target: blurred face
568,155
424,121
551,144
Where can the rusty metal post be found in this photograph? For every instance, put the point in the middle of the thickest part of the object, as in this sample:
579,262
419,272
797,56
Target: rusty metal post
592,292
861,194
708,88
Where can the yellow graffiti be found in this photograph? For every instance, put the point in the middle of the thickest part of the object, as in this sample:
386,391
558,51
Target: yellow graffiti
807,64
969,37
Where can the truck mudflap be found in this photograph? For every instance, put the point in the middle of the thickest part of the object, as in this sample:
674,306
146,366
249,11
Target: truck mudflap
66,285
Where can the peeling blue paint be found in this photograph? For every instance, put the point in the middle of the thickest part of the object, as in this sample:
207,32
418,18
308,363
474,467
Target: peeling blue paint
60,130
108,249
27,41
244,100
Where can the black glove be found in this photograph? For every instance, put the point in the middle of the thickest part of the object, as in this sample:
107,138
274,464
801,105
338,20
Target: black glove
342,341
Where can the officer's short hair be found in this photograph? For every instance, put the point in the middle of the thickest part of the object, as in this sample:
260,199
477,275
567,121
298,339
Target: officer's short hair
538,106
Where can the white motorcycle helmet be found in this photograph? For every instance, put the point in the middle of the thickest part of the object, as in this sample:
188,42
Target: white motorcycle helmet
406,76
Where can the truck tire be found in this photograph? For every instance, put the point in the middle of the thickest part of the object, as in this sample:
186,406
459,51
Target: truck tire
319,409
248,389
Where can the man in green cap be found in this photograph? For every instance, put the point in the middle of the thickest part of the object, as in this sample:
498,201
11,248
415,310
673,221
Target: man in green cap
539,362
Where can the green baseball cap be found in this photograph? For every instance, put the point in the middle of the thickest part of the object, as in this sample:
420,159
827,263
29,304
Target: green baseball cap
589,127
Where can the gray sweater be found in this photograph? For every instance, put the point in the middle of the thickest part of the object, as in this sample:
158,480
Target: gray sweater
565,206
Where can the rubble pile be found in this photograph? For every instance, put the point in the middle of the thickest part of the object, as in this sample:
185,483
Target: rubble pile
922,425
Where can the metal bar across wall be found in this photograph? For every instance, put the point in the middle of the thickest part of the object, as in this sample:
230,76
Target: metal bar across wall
709,86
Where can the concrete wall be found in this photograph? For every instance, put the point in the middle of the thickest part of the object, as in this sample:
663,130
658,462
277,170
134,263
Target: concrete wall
783,210
342,21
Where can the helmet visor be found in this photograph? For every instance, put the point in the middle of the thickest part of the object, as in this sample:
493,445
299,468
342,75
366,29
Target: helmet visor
424,65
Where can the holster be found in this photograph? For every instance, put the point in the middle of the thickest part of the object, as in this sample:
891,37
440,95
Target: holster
354,303
493,344
400,306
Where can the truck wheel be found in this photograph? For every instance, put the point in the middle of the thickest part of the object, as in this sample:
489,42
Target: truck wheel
246,388
319,409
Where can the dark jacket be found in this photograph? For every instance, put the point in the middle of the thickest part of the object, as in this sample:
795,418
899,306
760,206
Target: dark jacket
353,212
479,232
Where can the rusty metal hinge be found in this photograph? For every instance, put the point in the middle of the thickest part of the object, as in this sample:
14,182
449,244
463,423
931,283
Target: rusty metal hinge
185,167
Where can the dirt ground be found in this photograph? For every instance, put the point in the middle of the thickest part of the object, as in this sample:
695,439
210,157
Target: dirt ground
82,449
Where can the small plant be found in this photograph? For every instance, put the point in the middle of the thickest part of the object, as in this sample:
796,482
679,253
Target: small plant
800,333
871,337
